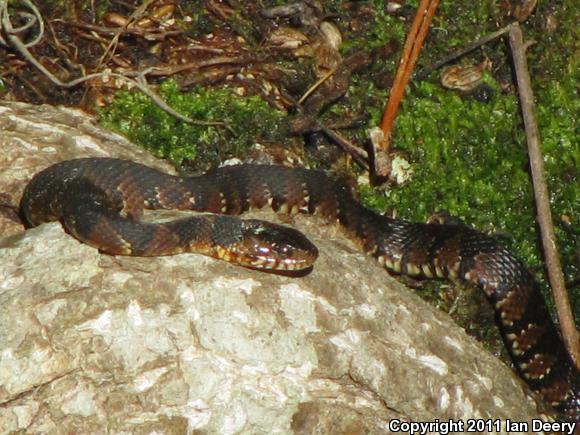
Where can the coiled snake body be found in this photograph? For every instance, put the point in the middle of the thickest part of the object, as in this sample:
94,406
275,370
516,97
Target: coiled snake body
99,201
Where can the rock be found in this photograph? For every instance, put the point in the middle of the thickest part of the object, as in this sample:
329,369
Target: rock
91,343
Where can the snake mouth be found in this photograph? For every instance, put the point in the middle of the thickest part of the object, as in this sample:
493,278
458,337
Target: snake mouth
273,257
268,246
297,262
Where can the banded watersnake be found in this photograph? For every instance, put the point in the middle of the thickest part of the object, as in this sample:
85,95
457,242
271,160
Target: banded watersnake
100,200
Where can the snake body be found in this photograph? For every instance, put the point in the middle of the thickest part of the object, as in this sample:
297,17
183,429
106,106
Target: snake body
100,201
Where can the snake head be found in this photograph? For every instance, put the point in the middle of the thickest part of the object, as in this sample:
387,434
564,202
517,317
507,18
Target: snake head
273,247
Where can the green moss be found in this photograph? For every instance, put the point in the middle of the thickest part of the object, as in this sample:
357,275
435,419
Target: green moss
380,30
555,69
470,158
460,22
70,10
200,21
246,121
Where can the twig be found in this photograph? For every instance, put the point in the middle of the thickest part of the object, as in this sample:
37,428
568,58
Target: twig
140,82
150,35
32,19
421,75
411,51
361,156
214,61
22,47
316,85
115,40
569,333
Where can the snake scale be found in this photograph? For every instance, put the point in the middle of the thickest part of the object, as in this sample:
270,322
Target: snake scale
100,201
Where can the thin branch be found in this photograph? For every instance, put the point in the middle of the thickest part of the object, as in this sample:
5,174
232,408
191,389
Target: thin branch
421,75
411,50
149,34
552,259
317,84
361,156
140,82
32,19
115,40
214,61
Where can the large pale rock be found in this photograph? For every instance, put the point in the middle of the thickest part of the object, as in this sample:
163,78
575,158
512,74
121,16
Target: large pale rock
92,343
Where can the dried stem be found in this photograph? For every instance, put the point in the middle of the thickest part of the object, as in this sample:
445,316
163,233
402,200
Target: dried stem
462,52
411,51
317,85
136,15
356,153
35,18
552,259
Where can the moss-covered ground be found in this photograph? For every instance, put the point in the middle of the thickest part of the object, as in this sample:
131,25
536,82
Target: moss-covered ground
468,154
241,122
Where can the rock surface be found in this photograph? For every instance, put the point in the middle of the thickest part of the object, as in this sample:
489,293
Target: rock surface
92,343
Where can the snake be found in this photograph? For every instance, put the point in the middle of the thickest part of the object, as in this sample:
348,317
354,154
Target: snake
101,201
